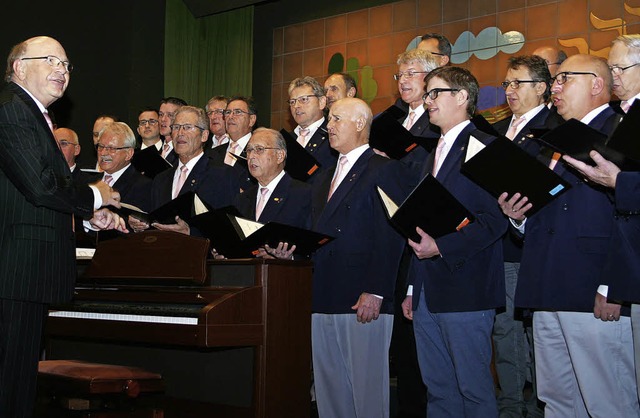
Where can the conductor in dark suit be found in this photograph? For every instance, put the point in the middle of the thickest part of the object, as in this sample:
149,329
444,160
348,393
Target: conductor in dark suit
458,279
354,275
285,200
37,201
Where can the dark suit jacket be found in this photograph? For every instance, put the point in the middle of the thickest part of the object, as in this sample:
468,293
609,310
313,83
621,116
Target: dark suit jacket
134,188
239,169
320,148
37,200
566,243
290,203
365,255
622,271
512,243
216,185
469,276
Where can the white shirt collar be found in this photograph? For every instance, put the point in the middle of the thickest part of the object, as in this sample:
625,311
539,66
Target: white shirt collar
595,112
312,127
115,176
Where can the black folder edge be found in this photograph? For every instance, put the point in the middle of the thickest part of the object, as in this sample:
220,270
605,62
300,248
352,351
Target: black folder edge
622,148
470,168
454,209
588,136
305,166
272,233
149,162
182,206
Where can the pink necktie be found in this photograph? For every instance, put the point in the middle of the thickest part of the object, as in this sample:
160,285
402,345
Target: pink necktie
228,159
181,180
48,118
625,105
261,202
108,178
511,133
436,160
336,179
302,137
412,116
165,150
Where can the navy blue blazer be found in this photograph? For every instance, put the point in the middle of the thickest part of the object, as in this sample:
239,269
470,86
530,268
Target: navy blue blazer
469,276
365,255
622,270
216,185
320,148
566,243
134,188
37,200
290,203
239,169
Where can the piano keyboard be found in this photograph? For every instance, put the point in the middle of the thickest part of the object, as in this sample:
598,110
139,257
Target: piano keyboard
157,319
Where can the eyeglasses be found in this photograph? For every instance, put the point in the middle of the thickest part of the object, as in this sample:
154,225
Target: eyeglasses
236,112
433,93
258,149
150,122
408,74
170,115
302,99
53,61
515,84
64,144
216,112
109,150
562,78
187,127
616,70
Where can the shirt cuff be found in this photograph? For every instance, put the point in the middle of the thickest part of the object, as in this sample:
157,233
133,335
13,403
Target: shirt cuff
518,225
97,199
603,289
410,290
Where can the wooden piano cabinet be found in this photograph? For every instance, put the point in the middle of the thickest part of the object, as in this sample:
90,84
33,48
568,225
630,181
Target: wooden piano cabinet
250,348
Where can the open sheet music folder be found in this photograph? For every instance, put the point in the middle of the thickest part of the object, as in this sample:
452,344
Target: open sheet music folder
431,207
186,206
502,166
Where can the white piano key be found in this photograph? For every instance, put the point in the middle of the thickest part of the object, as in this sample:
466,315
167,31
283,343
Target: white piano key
157,319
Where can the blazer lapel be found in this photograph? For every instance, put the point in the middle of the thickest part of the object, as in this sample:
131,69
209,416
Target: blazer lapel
195,176
318,137
278,196
454,156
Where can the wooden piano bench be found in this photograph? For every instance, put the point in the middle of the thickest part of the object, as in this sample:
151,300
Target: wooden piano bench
114,391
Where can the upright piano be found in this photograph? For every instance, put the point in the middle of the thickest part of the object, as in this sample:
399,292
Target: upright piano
221,332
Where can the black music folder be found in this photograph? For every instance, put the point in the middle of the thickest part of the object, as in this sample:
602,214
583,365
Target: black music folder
186,206
573,138
623,147
502,166
483,125
91,176
431,207
150,162
389,136
237,237
300,164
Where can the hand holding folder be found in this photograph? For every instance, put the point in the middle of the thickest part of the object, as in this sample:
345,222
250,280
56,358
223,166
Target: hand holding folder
429,206
502,166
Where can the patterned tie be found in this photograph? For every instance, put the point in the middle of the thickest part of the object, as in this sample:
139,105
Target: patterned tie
511,133
165,150
48,118
181,180
108,178
625,105
228,159
436,160
262,201
336,179
302,137
412,116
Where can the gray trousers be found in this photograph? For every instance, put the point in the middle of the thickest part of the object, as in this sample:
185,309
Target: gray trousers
351,365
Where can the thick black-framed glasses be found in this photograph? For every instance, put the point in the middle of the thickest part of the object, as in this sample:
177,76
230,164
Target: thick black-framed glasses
617,70
53,61
150,122
515,84
562,78
433,93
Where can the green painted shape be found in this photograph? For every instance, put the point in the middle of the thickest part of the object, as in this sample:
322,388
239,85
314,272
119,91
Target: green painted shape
336,63
368,85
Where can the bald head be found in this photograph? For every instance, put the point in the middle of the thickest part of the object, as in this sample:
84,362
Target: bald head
67,140
349,124
553,56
